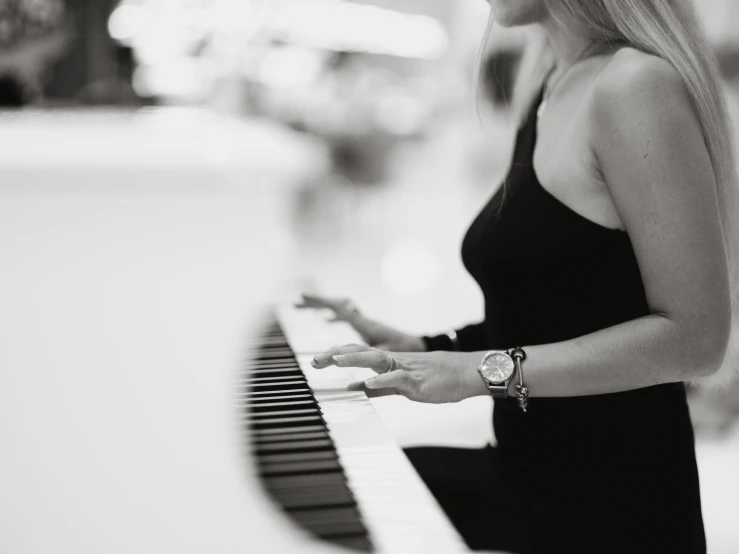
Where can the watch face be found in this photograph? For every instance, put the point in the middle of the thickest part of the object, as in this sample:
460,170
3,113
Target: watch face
497,368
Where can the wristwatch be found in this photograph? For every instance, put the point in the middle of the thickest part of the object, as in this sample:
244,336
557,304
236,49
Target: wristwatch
497,368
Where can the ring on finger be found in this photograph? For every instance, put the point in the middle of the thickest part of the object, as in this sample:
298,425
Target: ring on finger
350,308
393,364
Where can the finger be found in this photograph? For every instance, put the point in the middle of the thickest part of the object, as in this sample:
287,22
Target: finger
309,304
309,301
399,380
304,302
374,359
323,359
345,312
371,393
315,301
341,317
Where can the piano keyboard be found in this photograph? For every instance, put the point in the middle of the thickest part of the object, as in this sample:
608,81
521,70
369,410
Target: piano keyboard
296,458
322,451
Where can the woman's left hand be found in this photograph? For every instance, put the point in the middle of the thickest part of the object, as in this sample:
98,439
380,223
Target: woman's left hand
433,377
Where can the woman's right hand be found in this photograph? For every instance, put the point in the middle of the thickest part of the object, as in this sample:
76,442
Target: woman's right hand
373,333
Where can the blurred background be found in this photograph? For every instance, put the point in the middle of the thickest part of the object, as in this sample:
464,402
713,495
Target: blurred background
358,119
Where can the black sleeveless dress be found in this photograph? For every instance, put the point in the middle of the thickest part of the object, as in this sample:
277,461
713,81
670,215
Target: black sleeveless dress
603,473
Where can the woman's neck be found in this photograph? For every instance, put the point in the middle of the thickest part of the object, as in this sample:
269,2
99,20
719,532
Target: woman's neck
565,45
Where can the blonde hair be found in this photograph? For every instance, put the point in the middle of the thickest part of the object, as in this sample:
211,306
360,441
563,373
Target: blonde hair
671,30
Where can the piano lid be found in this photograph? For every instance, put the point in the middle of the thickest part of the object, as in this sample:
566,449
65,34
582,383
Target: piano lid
124,300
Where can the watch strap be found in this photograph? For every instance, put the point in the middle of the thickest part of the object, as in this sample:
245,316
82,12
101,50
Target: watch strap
498,391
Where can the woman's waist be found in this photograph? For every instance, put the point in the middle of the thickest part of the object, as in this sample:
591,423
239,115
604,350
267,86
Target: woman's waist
630,432
634,412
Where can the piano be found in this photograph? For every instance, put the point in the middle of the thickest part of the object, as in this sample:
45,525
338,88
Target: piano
134,266
322,451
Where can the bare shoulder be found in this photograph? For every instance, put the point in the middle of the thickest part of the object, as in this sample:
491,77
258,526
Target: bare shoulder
631,70
636,88
639,99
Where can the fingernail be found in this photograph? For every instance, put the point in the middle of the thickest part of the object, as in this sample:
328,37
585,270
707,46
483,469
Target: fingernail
321,357
339,359
370,383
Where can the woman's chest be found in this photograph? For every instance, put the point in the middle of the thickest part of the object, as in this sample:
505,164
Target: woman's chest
566,168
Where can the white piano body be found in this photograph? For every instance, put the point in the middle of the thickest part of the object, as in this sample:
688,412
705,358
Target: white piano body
135,252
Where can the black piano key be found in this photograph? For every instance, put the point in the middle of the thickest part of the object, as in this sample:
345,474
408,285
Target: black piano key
275,354
280,385
254,394
337,487
356,542
279,371
253,403
314,500
271,341
274,413
282,382
319,483
285,351
300,468
283,405
321,427
282,421
329,516
271,383
286,422
288,390
327,522
305,482
298,457
268,404
274,336
261,379
254,388
295,446
281,398
340,497
273,364
291,438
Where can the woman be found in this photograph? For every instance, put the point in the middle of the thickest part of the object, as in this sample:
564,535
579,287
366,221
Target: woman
608,256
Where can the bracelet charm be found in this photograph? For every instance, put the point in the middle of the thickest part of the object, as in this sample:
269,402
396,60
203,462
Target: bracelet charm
522,394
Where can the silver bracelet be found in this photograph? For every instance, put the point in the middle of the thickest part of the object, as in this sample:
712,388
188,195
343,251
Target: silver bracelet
452,334
522,393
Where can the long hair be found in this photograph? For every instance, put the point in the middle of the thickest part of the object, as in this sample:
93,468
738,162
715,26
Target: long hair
671,30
